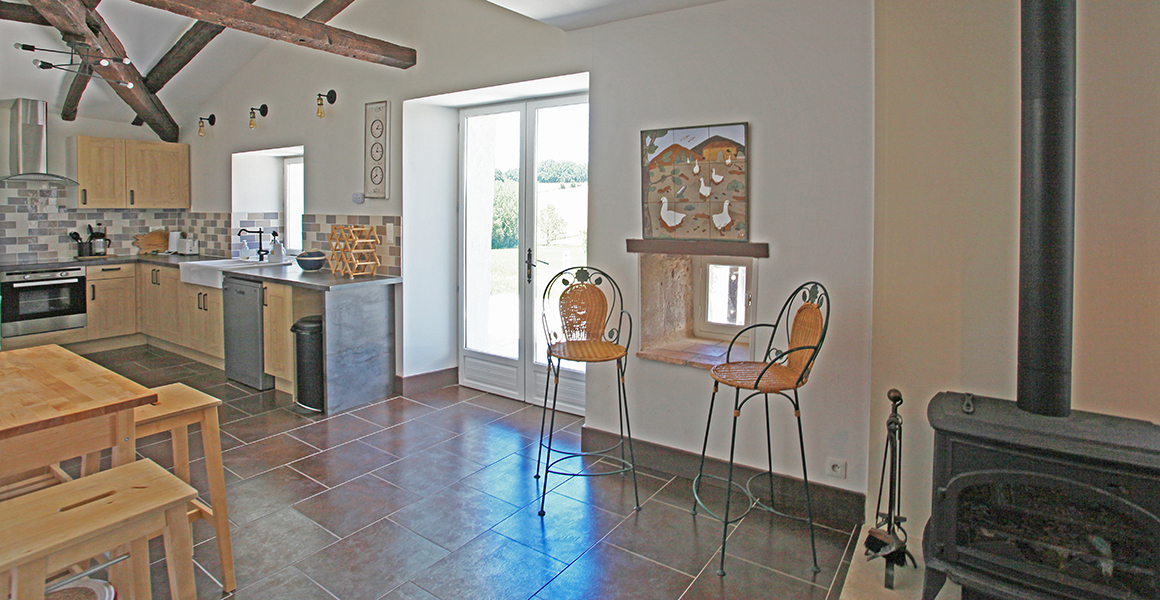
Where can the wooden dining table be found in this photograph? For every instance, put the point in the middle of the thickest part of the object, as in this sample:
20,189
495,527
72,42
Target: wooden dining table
56,405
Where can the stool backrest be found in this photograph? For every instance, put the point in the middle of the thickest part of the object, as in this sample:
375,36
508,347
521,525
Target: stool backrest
807,329
584,304
583,310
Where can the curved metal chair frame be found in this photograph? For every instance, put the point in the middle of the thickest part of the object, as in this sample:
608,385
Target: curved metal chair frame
783,373
587,333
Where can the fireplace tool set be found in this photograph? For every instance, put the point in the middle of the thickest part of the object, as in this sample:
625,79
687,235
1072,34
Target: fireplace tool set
887,540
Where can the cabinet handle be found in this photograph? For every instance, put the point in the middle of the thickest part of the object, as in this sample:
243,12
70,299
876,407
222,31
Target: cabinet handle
264,296
94,286
132,198
84,196
106,269
201,301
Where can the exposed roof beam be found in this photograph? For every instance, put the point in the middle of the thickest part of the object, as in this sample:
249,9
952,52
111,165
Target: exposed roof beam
79,24
80,81
237,14
201,34
11,11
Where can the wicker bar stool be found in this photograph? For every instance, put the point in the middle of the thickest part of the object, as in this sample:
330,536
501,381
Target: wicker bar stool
782,373
584,331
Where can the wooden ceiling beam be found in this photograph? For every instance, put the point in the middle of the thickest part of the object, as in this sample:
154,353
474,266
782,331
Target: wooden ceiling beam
78,23
200,34
239,15
23,13
75,89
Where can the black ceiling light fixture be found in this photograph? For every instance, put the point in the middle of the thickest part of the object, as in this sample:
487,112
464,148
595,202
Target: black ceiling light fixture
261,110
80,61
330,97
201,121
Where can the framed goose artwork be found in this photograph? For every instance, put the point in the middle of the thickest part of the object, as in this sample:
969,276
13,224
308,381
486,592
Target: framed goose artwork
695,182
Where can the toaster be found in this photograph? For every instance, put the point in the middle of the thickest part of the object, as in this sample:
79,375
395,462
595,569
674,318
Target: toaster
187,246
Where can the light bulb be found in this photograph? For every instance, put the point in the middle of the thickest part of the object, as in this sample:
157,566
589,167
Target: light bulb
200,128
253,120
321,111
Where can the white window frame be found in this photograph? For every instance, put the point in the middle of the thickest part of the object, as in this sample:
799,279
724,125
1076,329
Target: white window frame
294,243
702,328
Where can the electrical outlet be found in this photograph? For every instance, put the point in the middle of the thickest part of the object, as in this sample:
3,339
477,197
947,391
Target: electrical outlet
836,467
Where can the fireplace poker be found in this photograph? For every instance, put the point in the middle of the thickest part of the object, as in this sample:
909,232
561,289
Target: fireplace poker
887,540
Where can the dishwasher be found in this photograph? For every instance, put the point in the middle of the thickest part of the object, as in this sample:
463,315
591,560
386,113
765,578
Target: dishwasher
242,302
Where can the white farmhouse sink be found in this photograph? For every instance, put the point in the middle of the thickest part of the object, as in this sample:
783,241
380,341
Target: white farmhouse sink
211,273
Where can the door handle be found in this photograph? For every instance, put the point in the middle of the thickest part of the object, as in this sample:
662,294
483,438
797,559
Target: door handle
132,197
94,286
199,301
531,263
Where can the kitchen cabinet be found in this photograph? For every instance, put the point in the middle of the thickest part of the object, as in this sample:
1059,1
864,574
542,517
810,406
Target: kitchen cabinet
115,173
157,296
200,313
112,301
277,340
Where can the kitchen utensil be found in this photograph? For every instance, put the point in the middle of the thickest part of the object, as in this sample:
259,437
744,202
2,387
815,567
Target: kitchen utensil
75,236
90,232
100,244
84,248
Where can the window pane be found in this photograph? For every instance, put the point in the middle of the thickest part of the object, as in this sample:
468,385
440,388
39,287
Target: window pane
726,294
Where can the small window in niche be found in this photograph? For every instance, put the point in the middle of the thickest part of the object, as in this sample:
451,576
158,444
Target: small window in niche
294,202
723,289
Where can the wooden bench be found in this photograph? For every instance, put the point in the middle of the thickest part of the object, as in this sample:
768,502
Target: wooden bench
178,406
48,530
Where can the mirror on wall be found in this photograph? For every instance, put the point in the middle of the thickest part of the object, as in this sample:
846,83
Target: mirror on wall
267,190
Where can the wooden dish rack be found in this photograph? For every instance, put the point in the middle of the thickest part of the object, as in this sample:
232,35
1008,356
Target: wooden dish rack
353,250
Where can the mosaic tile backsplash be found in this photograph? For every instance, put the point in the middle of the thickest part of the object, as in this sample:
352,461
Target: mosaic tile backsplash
35,222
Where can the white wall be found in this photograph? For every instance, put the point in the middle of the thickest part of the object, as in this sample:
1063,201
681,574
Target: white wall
257,183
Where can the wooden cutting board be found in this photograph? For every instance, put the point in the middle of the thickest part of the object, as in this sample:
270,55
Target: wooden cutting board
154,241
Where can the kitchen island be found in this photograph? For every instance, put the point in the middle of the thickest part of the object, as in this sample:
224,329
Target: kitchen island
358,330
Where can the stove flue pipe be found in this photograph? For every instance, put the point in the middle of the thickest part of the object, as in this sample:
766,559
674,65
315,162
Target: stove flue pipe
1047,207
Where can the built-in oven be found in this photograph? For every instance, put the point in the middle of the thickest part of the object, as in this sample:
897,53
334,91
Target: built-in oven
40,300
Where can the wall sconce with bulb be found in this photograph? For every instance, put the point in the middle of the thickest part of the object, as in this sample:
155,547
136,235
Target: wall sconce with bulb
330,96
261,110
80,61
201,121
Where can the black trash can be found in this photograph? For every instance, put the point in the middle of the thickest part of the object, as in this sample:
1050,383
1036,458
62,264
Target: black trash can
308,345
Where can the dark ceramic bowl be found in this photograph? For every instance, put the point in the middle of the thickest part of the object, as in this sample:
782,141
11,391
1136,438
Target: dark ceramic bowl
311,260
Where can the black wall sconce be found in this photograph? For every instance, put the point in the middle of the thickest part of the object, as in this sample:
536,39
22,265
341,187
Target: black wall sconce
261,110
201,121
80,61
330,96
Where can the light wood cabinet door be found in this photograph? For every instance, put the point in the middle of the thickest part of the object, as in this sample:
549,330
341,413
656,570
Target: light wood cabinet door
157,174
277,340
200,313
112,307
158,289
101,172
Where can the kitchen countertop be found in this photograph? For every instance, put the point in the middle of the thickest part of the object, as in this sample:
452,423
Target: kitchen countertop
290,274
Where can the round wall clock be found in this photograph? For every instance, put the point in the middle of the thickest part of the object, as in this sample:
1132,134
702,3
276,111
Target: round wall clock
376,175
376,151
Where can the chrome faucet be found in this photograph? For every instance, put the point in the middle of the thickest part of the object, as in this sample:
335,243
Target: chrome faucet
261,252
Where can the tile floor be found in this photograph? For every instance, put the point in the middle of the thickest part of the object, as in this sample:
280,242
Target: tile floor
432,497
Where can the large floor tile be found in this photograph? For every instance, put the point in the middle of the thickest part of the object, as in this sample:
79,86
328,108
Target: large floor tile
428,471
251,459
487,444
568,529
269,492
207,587
392,412
408,591
445,396
454,516
611,492
461,417
267,545
610,573
335,431
784,545
670,536
342,463
490,567
287,584
373,561
355,504
259,402
511,479
527,422
744,579
264,425
408,438
499,404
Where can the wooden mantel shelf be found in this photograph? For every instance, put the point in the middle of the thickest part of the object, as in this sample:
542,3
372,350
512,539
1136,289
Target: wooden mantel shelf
699,248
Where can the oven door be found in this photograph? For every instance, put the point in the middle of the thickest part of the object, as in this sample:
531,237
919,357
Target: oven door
38,306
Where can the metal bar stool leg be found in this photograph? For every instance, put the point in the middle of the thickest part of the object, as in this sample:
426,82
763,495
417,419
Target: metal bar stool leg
704,448
622,392
555,375
729,481
797,413
769,450
544,416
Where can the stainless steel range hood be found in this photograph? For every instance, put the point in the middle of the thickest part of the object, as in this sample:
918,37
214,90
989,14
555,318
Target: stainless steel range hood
28,144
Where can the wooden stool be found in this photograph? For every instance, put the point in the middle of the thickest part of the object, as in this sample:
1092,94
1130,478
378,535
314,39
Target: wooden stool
179,406
48,530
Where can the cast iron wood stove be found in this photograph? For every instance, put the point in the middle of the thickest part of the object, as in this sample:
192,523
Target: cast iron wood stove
1032,500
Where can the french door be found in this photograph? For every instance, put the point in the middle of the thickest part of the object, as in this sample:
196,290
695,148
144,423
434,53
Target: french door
523,217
